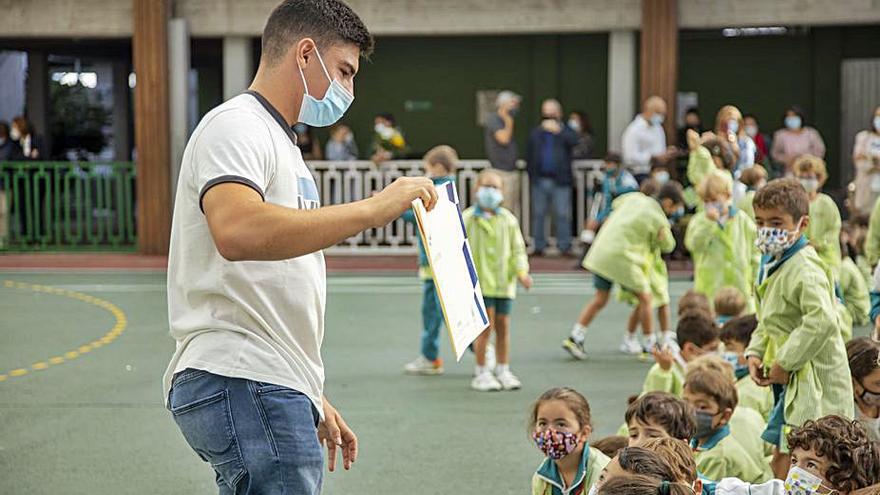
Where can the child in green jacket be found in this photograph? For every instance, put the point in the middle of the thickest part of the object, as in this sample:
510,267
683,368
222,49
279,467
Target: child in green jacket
623,254
823,231
718,454
500,260
798,346
721,240
736,334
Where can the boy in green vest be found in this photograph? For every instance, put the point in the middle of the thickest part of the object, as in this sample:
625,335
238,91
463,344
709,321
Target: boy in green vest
798,346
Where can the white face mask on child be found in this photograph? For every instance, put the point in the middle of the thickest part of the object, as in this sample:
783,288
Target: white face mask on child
803,482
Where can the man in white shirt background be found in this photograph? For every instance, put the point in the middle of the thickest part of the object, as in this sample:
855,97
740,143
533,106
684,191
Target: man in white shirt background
644,140
246,275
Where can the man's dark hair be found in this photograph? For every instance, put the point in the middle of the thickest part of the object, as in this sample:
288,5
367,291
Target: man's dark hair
739,329
328,22
672,191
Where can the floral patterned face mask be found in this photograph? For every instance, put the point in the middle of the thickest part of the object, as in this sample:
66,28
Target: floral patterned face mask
555,444
774,242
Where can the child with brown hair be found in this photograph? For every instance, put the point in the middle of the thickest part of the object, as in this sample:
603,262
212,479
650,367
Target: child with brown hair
560,425
798,346
500,259
823,231
736,334
718,454
659,415
754,179
864,367
729,304
694,302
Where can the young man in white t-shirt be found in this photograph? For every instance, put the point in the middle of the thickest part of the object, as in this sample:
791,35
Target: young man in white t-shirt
246,275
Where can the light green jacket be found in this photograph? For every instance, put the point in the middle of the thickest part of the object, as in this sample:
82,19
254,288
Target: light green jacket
547,477
746,205
726,458
872,242
660,380
623,249
746,427
658,277
724,256
499,251
700,165
824,230
855,292
800,328
759,399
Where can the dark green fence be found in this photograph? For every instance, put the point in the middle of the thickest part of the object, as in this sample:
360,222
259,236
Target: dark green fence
67,206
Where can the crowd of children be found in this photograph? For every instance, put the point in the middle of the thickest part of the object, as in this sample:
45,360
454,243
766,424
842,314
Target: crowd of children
760,388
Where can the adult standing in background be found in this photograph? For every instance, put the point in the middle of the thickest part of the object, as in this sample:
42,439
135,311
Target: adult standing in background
307,142
29,144
644,140
866,157
730,127
388,140
579,122
501,147
341,145
796,138
246,273
762,140
693,121
8,147
549,165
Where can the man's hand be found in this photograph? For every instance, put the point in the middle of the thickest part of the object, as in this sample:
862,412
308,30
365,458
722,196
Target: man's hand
335,433
756,371
552,126
778,375
526,280
663,357
395,199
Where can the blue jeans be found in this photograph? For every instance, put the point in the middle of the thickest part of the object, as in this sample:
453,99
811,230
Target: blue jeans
258,437
432,320
545,192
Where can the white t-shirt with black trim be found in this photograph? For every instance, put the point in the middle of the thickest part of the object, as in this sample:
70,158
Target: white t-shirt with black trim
259,320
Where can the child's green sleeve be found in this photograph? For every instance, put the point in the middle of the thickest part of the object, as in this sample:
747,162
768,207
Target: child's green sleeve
824,231
700,232
713,466
665,239
660,380
818,322
700,164
519,259
872,243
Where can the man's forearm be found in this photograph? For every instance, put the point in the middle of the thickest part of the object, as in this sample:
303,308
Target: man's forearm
268,232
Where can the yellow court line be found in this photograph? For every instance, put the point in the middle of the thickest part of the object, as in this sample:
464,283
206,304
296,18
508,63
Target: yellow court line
107,338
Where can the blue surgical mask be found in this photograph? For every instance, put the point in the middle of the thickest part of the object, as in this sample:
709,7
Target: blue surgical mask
877,123
656,119
732,126
574,124
793,122
662,177
328,110
704,424
489,198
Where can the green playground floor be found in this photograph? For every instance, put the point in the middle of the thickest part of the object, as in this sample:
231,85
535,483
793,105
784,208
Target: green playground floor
81,408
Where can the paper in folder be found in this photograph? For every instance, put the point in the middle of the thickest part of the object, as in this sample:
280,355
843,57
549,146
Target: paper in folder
446,244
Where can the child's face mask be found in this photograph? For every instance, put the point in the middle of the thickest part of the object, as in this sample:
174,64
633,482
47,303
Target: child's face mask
489,198
773,242
555,444
803,482
705,424
868,397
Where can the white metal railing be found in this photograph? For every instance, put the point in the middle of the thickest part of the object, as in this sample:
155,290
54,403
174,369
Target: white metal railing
343,182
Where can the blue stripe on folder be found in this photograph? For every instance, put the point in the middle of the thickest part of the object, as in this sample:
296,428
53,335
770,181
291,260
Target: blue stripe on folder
480,309
470,264
450,191
461,219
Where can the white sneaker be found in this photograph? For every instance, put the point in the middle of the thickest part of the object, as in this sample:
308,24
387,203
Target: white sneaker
491,360
630,345
422,366
485,382
508,381
650,342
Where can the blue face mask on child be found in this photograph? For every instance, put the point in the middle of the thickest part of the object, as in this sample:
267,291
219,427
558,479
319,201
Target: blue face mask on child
329,109
489,198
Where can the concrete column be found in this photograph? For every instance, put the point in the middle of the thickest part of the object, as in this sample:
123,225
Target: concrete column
121,102
178,89
238,66
37,98
621,84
